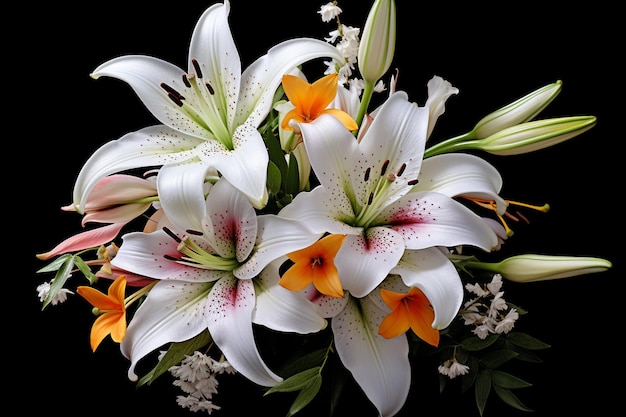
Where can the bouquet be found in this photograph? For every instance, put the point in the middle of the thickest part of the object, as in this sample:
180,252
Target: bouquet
292,222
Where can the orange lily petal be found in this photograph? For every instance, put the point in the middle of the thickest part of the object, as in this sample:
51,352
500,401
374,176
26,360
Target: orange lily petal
311,100
112,318
315,264
108,323
409,310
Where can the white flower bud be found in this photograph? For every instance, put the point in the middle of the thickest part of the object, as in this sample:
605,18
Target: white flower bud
532,136
520,111
530,268
378,42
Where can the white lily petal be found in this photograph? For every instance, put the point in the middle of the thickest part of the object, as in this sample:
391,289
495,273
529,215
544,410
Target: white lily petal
380,366
320,212
229,315
184,201
147,254
145,75
231,223
363,262
399,156
276,236
279,309
151,146
261,79
168,314
428,219
245,166
329,146
456,174
213,47
433,273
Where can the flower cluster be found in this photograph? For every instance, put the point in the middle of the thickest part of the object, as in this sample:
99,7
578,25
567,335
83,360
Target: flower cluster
262,200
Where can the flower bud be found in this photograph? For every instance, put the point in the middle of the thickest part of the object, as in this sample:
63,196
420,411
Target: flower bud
530,268
378,41
520,111
535,135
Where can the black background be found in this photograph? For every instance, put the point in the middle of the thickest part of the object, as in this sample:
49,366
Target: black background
494,55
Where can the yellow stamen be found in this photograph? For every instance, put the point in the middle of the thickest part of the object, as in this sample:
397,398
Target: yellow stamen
491,205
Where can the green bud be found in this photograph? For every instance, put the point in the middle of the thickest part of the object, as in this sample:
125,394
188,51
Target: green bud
530,268
520,111
532,136
378,41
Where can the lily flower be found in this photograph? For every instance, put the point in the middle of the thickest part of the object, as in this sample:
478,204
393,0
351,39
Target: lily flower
364,194
310,101
210,270
314,264
209,113
110,310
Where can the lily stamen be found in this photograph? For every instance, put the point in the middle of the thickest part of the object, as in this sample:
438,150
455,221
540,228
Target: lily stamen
196,256
491,205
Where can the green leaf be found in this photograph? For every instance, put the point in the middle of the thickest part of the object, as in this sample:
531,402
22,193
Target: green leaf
175,354
292,180
56,264
511,399
506,380
275,152
296,382
526,341
475,343
57,283
307,395
497,358
310,360
85,269
482,390
273,178
469,378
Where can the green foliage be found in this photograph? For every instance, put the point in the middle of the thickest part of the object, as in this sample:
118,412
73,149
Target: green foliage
64,265
174,355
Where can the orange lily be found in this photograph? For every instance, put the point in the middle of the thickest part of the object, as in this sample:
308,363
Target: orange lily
312,100
315,264
110,309
409,310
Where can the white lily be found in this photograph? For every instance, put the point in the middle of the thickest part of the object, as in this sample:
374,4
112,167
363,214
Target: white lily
209,114
363,194
208,280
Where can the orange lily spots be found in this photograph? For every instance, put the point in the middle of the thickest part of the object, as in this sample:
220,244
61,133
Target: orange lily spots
110,309
311,101
410,310
315,264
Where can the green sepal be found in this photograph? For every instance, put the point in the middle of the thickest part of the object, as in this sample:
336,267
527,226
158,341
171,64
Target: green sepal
174,355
